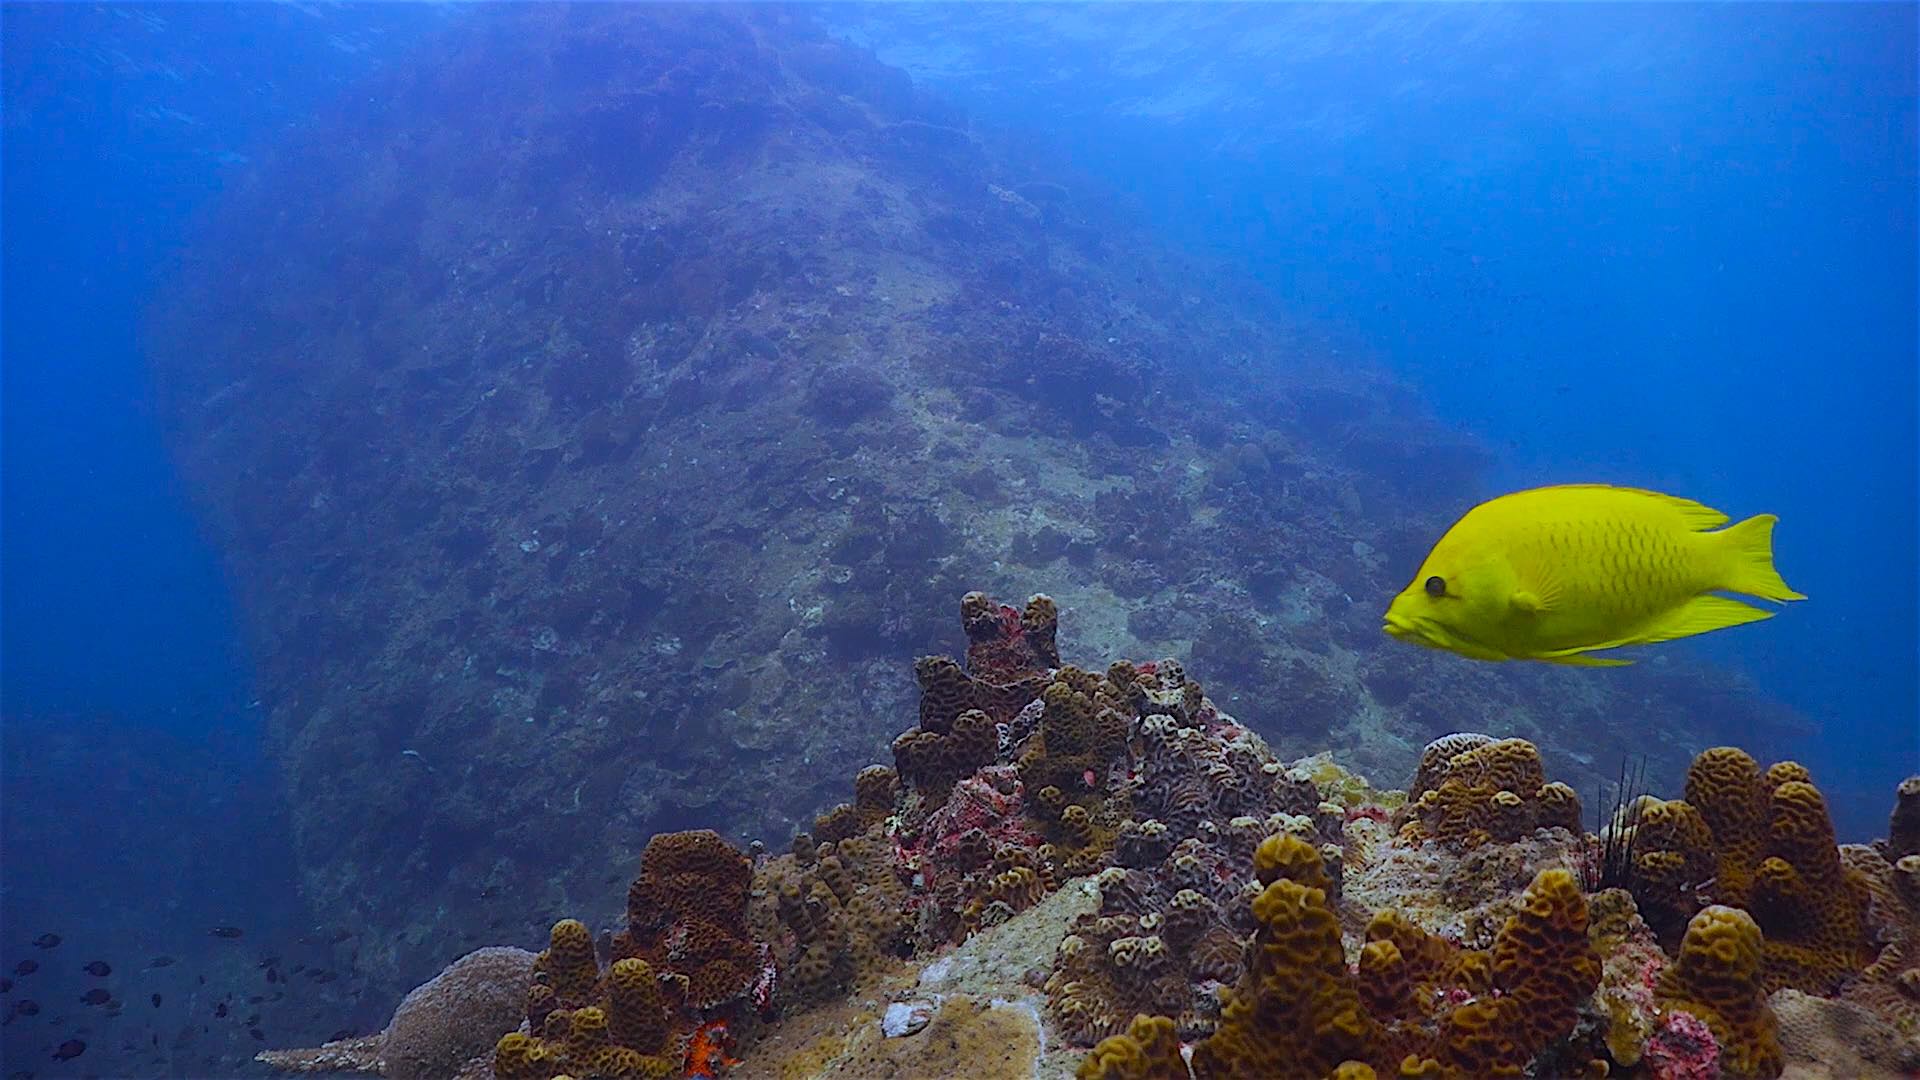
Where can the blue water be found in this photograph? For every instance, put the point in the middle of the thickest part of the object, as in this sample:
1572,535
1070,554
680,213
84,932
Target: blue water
1671,246
140,806
1668,245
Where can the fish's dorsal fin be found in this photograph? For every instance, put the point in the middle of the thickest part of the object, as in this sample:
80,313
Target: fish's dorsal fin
1699,516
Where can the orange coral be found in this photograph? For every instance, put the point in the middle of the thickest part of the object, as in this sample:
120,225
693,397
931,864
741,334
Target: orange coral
1298,1011
686,949
636,1011
1148,1050
567,964
1717,978
1009,652
1726,786
1774,855
1490,790
1542,958
873,794
1812,909
954,736
1672,855
1082,730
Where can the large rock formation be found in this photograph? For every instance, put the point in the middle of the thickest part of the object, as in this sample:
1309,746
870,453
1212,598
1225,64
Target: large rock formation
597,410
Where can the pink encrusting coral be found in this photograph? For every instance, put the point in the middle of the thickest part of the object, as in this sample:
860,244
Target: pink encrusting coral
1682,1047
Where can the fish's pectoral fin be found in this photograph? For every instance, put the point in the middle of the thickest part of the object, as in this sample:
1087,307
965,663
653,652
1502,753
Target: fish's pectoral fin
1535,601
1699,615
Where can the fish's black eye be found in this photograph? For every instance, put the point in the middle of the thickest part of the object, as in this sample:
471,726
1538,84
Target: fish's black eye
1436,586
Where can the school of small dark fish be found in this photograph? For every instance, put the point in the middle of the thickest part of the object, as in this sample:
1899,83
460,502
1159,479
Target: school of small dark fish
71,1033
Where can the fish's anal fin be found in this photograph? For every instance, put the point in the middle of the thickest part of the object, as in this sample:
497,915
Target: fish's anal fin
1700,615
1583,660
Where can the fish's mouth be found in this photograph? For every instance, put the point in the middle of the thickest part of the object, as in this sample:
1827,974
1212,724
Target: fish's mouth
1436,635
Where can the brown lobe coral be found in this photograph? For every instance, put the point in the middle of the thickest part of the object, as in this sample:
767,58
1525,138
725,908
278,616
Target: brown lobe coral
1717,978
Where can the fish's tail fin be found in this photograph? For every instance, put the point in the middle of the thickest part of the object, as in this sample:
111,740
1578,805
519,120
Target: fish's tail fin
1750,546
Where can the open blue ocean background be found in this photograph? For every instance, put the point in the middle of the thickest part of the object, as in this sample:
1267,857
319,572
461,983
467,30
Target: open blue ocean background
1670,246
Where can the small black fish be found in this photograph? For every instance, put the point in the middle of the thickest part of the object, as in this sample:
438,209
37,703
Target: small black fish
258,1035
343,1033
298,968
29,1007
220,1009
203,980
26,967
156,1004
254,1020
160,962
339,936
226,931
47,941
99,995
267,962
273,975
20,1074
324,976
98,969
69,1050
6,984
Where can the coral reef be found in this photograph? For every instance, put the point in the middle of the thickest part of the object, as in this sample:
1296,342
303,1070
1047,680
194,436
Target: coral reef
1471,789
1828,1039
438,1030
1903,831
1175,889
685,961
1147,1050
1890,984
687,915
1299,1011
1716,977
1631,966
1762,841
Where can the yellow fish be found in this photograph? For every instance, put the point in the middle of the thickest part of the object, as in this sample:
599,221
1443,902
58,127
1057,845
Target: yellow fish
1556,572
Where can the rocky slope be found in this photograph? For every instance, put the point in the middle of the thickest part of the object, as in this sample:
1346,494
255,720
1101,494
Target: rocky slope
602,410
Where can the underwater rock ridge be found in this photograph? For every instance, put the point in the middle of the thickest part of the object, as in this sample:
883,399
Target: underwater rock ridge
613,398
1120,880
